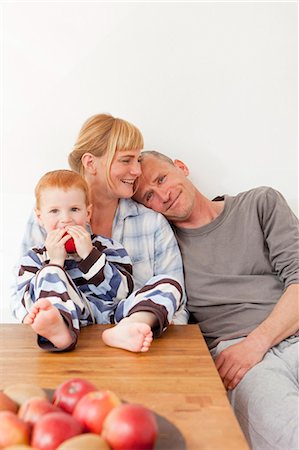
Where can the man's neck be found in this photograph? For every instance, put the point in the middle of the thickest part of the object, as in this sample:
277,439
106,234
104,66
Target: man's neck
203,212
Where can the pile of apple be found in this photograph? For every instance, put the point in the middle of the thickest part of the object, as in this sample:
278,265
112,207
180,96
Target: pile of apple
79,416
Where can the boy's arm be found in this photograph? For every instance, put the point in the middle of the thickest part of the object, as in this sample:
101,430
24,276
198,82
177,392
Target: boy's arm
30,265
34,236
108,270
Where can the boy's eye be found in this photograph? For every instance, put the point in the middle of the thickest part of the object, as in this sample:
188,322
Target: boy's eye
75,209
54,211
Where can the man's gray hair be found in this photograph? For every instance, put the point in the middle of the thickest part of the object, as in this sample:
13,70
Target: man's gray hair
156,155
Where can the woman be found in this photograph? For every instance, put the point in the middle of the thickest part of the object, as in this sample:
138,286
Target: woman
107,153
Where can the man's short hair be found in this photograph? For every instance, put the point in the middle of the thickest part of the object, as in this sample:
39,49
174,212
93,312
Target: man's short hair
156,155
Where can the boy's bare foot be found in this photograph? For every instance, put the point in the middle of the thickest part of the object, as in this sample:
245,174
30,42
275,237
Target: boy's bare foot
132,336
46,320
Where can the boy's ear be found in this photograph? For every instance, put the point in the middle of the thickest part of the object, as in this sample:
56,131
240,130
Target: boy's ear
89,163
182,166
38,215
89,212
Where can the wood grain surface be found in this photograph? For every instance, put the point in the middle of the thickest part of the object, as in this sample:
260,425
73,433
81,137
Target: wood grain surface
177,378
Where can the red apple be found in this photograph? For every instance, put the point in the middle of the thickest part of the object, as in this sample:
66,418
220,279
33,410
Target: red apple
70,245
67,394
7,403
92,409
54,428
130,427
34,408
13,430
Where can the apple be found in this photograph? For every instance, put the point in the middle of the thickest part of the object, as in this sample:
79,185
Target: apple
130,427
19,447
92,409
34,408
67,394
54,428
70,245
20,392
13,430
7,404
87,441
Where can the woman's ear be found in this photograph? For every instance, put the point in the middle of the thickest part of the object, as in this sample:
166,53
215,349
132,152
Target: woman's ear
182,166
89,163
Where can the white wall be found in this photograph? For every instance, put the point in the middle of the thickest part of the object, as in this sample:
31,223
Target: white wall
214,84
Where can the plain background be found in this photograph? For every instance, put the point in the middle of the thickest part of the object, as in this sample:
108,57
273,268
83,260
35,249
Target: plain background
211,83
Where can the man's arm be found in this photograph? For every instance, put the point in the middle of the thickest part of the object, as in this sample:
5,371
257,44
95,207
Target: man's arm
280,231
236,360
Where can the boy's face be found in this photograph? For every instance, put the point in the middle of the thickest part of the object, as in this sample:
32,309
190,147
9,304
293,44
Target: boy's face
60,208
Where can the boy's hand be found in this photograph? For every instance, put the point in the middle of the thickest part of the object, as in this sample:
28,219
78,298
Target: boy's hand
82,240
55,246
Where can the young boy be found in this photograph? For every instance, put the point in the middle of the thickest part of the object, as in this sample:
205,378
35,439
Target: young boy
62,291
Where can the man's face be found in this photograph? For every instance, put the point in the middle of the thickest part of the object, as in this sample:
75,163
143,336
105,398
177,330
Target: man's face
165,188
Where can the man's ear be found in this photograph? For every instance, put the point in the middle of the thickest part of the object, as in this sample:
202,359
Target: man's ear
182,166
89,163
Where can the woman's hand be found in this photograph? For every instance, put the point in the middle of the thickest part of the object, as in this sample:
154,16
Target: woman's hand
82,240
55,246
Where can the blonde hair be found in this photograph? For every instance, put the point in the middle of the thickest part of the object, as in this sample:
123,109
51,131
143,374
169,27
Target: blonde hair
62,179
104,134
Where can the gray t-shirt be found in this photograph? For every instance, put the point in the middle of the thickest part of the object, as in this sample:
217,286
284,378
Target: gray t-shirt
237,266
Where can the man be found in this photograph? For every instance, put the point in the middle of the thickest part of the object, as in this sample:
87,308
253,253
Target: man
241,266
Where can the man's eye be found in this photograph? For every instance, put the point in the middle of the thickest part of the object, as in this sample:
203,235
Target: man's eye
161,179
149,196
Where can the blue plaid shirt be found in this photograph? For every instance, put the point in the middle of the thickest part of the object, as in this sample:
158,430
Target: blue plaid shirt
146,236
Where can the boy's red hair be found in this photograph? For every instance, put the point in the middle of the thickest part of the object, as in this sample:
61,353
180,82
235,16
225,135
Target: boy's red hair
62,179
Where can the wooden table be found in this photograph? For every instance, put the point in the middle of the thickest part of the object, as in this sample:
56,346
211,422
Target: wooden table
177,378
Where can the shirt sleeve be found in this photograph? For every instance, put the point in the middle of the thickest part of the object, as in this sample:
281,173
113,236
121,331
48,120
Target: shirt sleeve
108,270
281,232
34,236
168,261
29,267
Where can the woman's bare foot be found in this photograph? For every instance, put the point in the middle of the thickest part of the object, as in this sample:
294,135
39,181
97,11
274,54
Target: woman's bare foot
47,321
132,336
